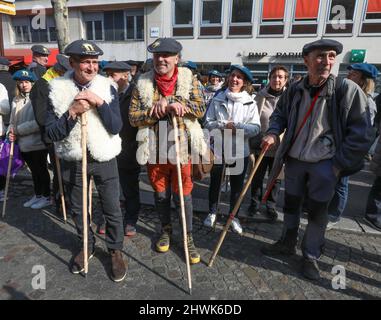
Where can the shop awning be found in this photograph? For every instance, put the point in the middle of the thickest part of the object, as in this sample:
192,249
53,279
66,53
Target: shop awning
25,55
273,9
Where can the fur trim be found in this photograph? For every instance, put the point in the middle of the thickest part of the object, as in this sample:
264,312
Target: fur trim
62,93
145,86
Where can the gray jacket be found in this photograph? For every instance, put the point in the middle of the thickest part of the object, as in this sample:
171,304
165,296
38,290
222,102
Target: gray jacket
349,120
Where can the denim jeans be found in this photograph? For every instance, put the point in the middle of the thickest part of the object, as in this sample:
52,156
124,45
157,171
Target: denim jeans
337,205
373,205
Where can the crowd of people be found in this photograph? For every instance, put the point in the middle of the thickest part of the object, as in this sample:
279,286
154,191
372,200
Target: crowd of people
318,130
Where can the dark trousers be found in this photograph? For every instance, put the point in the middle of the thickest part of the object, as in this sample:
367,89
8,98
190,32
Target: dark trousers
321,182
257,184
106,180
2,182
129,181
236,185
52,156
373,205
37,163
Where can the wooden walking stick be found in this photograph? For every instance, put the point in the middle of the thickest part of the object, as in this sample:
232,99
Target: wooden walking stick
84,189
91,199
238,203
60,185
182,206
8,176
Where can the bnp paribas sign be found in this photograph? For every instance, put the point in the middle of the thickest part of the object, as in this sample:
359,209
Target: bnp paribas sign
8,7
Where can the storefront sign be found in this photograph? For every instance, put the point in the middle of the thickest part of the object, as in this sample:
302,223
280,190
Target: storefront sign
258,55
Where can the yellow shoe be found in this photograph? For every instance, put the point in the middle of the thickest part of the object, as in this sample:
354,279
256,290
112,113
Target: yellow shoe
194,256
162,245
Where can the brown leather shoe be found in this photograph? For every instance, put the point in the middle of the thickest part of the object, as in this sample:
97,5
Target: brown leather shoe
118,266
78,264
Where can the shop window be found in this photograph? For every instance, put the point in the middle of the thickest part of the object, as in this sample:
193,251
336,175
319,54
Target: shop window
272,21
372,18
306,14
340,17
211,18
182,13
241,18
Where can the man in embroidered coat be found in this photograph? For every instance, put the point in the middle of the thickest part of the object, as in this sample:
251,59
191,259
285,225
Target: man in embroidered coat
158,94
79,91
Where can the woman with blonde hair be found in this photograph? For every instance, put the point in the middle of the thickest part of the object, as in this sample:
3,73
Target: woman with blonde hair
25,131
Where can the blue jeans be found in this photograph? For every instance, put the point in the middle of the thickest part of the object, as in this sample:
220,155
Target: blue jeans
373,205
339,201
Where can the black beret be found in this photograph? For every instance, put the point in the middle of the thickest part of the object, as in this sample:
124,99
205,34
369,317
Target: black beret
165,45
133,62
4,61
117,65
40,49
83,48
63,61
323,43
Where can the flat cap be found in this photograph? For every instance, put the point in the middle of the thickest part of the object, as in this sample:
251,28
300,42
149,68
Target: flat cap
323,43
190,65
83,48
117,65
369,70
169,45
214,73
24,74
4,61
63,62
244,70
37,48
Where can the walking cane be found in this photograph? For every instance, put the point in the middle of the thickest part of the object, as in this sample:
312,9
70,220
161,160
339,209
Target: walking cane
60,185
84,189
8,176
181,195
238,203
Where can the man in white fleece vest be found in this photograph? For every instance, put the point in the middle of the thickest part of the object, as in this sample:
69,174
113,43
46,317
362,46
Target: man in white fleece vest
79,91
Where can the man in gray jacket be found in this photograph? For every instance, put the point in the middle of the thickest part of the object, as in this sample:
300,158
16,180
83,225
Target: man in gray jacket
327,134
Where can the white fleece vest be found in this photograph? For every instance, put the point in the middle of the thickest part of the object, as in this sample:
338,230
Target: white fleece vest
102,145
145,86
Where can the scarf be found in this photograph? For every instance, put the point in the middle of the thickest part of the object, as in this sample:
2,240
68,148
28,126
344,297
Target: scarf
235,96
166,85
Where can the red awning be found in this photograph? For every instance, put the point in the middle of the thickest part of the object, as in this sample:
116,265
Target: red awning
307,9
374,6
25,55
273,9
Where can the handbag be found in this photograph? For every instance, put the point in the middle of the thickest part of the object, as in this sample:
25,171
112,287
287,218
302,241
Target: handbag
205,164
17,161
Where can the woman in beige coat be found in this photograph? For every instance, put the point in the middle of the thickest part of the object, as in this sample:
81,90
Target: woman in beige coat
26,132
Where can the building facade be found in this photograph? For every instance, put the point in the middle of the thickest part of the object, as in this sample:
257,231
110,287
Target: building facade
214,33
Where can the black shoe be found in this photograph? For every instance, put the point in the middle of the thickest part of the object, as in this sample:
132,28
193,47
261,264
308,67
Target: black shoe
253,209
310,269
78,264
373,222
118,266
285,246
271,214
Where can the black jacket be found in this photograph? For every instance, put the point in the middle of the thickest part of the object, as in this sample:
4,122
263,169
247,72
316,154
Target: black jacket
10,85
127,158
37,69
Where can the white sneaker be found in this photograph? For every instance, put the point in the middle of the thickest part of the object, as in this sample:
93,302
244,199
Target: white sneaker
331,224
31,201
236,226
210,220
41,203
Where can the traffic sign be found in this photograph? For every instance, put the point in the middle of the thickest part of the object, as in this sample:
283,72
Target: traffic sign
7,8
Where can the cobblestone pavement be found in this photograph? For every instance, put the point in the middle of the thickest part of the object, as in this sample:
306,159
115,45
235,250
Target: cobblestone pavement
36,237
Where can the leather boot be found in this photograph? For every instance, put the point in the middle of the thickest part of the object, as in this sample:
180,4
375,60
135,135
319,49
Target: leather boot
285,246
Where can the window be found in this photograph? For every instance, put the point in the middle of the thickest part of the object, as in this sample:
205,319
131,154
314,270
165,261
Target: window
372,18
241,18
340,17
182,18
21,28
114,25
94,26
211,18
135,25
272,22
306,13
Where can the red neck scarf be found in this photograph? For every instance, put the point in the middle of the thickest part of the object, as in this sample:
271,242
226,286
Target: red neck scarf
166,85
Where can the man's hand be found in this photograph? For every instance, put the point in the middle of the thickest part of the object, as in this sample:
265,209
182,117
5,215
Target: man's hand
78,107
177,109
231,125
94,100
268,141
159,109
11,136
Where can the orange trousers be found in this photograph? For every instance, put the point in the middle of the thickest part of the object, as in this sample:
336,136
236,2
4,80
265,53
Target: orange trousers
164,176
